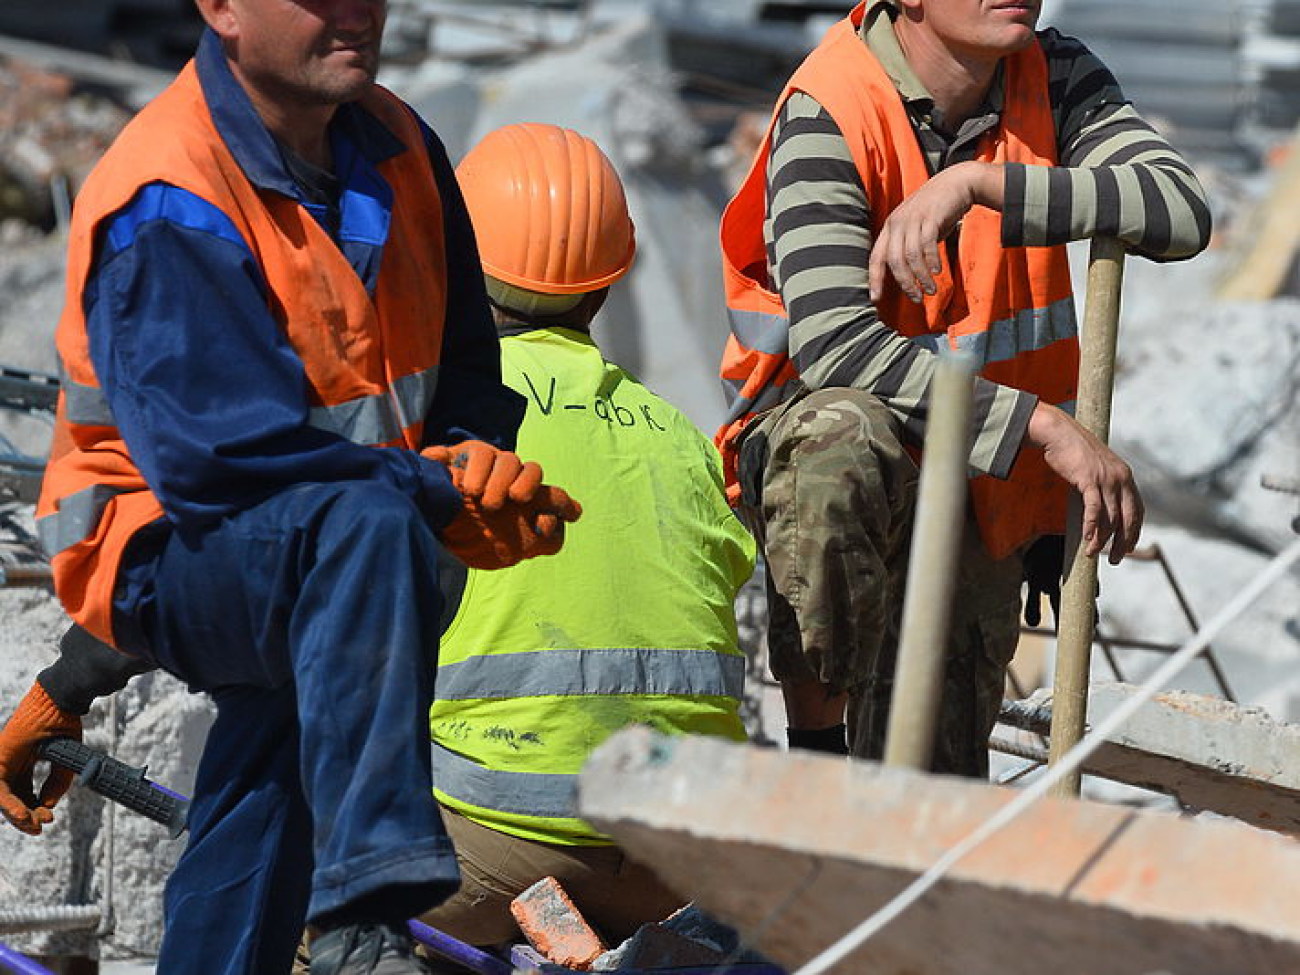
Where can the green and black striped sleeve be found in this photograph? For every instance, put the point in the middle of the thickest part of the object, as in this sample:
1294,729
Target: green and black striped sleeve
1117,178
819,240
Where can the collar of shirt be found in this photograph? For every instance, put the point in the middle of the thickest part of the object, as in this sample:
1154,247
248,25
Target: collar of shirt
877,31
253,146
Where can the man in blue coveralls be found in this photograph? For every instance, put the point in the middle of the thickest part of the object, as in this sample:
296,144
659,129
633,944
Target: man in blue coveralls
275,327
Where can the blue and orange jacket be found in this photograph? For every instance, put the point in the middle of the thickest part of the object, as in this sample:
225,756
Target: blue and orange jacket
221,341
1014,306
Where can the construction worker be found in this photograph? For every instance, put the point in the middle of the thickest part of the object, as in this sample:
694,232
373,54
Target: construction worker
634,621
281,404
922,173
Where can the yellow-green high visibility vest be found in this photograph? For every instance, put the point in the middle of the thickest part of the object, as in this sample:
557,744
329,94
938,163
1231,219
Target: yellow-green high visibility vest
632,622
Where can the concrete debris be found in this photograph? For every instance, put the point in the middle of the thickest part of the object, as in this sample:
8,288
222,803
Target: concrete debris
94,853
1208,753
130,32
685,938
656,946
555,927
50,136
1201,110
1072,887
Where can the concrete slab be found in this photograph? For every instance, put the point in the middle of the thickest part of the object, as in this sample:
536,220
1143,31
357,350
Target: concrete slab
797,848
1209,753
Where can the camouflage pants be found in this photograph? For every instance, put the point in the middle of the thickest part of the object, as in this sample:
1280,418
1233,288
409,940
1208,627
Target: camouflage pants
830,493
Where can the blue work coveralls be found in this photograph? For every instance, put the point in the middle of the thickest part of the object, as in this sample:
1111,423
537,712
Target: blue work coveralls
294,578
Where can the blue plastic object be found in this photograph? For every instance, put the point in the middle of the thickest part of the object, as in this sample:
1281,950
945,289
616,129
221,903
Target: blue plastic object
19,964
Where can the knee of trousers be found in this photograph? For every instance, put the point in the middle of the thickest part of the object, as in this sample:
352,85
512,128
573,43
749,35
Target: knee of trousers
361,531
837,451
358,513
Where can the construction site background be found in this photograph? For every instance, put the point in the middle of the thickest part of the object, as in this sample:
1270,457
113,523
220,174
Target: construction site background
1207,403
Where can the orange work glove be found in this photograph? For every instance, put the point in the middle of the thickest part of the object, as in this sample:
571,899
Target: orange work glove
483,473
36,719
484,539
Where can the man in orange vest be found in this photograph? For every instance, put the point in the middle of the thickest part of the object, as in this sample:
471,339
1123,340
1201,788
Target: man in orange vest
282,404
924,169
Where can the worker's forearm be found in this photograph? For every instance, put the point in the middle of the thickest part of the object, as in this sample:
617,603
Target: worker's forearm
1043,424
987,183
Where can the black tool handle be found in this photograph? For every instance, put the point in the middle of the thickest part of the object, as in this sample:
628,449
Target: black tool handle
120,782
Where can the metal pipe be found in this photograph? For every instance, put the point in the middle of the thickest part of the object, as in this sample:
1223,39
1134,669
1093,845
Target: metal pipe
932,567
64,917
16,576
1079,586
1193,622
1108,649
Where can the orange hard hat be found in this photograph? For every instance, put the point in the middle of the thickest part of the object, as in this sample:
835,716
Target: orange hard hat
548,210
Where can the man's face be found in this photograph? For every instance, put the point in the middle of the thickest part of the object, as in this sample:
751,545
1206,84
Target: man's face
983,27
305,52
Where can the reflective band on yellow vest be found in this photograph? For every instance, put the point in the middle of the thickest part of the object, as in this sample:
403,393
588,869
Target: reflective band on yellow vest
632,622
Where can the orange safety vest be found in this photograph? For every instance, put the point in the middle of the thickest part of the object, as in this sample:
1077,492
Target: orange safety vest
371,363
1012,308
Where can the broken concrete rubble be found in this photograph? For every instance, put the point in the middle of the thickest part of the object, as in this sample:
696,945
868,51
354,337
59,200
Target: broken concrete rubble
1210,754
50,137
1076,887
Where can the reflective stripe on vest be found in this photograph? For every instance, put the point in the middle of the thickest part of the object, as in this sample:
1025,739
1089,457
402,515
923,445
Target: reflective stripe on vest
570,672
381,417
523,793
760,331
773,394
367,420
1026,331
76,520
86,405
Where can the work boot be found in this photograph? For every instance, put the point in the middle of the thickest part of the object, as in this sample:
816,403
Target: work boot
365,949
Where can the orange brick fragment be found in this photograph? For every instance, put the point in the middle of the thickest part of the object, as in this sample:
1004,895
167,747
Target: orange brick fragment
555,927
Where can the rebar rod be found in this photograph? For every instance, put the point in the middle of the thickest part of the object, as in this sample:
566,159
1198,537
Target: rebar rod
59,917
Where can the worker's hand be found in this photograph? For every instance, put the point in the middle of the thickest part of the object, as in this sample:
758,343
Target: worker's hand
1112,506
36,719
907,246
486,474
497,539
1044,563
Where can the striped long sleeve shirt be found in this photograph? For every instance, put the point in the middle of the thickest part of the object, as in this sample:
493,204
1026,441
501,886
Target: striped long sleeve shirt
1117,177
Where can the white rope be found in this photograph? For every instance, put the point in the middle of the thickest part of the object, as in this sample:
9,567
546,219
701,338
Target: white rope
1068,763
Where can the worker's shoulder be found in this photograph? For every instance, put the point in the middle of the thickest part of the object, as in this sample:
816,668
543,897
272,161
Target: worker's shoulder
1063,47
